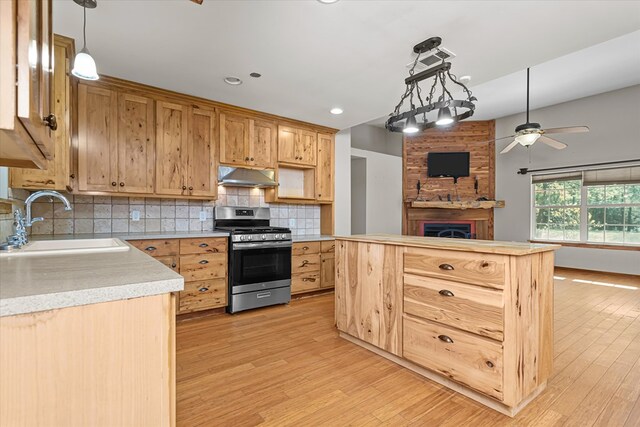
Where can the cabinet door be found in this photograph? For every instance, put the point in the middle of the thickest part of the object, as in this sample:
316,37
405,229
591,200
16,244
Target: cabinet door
234,139
34,71
262,144
327,270
136,151
306,147
287,143
56,174
368,285
325,169
171,147
97,139
202,178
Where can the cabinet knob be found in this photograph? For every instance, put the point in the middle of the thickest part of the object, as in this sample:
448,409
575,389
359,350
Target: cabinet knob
305,248
446,267
150,248
204,261
305,262
72,176
173,265
114,183
319,195
203,245
51,122
252,159
489,363
445,339
446,293
190,188
203,289
308,279
184,187
246,159
122,184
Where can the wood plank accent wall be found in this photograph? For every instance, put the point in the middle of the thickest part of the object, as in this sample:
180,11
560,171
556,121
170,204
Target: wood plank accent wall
465,136
476,137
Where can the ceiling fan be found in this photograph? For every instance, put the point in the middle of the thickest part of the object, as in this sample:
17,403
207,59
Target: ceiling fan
528,133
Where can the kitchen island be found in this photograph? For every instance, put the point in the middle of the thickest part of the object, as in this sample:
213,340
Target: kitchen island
87,339
475,316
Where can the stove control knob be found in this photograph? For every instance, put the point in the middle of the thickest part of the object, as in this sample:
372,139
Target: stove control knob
264,237
244,238
277,236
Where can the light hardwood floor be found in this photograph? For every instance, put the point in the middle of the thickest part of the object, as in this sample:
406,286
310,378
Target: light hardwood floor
286,365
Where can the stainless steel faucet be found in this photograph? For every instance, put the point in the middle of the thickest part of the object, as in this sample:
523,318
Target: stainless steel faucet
20,238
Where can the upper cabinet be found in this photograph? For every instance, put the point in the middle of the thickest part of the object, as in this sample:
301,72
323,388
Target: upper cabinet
325,168
296,146
185,150
57,172
27,119
247,142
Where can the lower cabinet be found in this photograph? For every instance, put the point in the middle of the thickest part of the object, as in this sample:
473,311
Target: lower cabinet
203,264
312,266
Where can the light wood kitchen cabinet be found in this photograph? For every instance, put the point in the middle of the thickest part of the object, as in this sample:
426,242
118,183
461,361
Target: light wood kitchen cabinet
116,151
246,142
97,139
325,168
27,119
312,266
201,179
57,172
203,264
297,146
171,148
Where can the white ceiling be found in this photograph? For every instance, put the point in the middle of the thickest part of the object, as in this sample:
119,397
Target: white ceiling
350,54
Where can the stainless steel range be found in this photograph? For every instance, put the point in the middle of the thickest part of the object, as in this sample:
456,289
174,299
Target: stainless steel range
259,258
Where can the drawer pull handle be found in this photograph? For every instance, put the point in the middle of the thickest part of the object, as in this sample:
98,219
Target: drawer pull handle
204,261
305,262
203,245
173,265
446,293
445,339
490,363
308,279
264,295
203,289
150,248
305,248
445,267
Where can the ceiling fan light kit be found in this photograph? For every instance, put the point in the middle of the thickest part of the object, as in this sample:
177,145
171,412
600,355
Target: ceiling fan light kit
439,97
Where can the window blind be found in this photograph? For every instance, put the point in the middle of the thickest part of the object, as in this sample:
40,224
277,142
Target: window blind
628,175
565,176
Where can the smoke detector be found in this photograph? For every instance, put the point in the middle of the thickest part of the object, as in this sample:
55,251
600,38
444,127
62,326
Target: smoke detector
431,58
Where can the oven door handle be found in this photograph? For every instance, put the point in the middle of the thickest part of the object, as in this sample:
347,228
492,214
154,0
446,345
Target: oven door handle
260,245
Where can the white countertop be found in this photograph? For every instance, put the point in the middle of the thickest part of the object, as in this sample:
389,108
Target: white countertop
134,236
312,238
36,283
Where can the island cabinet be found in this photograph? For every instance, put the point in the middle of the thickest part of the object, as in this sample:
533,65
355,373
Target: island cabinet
203,264
474,316
312,266
27,118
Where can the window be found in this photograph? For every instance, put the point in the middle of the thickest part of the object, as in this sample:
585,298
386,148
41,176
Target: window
589,207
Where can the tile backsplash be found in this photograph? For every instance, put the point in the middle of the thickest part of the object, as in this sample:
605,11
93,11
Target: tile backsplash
105,214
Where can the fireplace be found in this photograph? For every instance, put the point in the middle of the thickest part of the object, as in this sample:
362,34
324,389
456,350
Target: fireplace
448,228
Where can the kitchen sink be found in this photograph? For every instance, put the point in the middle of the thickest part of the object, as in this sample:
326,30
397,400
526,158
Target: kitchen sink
65,247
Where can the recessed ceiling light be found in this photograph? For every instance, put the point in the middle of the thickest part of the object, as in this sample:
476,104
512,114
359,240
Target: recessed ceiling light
465,79
256,75
232,80
336,110
328,1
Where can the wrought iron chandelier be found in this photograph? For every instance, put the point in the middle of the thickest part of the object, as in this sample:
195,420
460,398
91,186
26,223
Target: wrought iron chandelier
439,98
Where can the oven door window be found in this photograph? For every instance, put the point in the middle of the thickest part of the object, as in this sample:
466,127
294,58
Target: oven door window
261,265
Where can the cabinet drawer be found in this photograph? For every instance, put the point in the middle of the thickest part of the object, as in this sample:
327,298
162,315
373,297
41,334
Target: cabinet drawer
203,267
205,245
305,263
203,295
173,262
328,246
479,269
305,282
472,308
463,357
327,270
303,248
157,248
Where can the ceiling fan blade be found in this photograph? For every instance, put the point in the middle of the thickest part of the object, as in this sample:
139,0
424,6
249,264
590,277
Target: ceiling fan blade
572,129
509,147
552,142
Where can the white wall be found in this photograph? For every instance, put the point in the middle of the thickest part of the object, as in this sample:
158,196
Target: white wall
613,119
342,201
374,138
383,192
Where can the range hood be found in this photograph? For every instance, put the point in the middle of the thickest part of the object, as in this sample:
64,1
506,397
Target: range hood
242,177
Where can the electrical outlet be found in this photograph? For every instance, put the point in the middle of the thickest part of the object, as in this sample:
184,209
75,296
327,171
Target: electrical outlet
135,215
203,216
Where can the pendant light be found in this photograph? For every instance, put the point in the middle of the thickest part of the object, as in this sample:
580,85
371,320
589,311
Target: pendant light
444,117
84,67
411,126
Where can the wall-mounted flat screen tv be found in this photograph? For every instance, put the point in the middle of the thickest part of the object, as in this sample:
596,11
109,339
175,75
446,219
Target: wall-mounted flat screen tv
452,164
